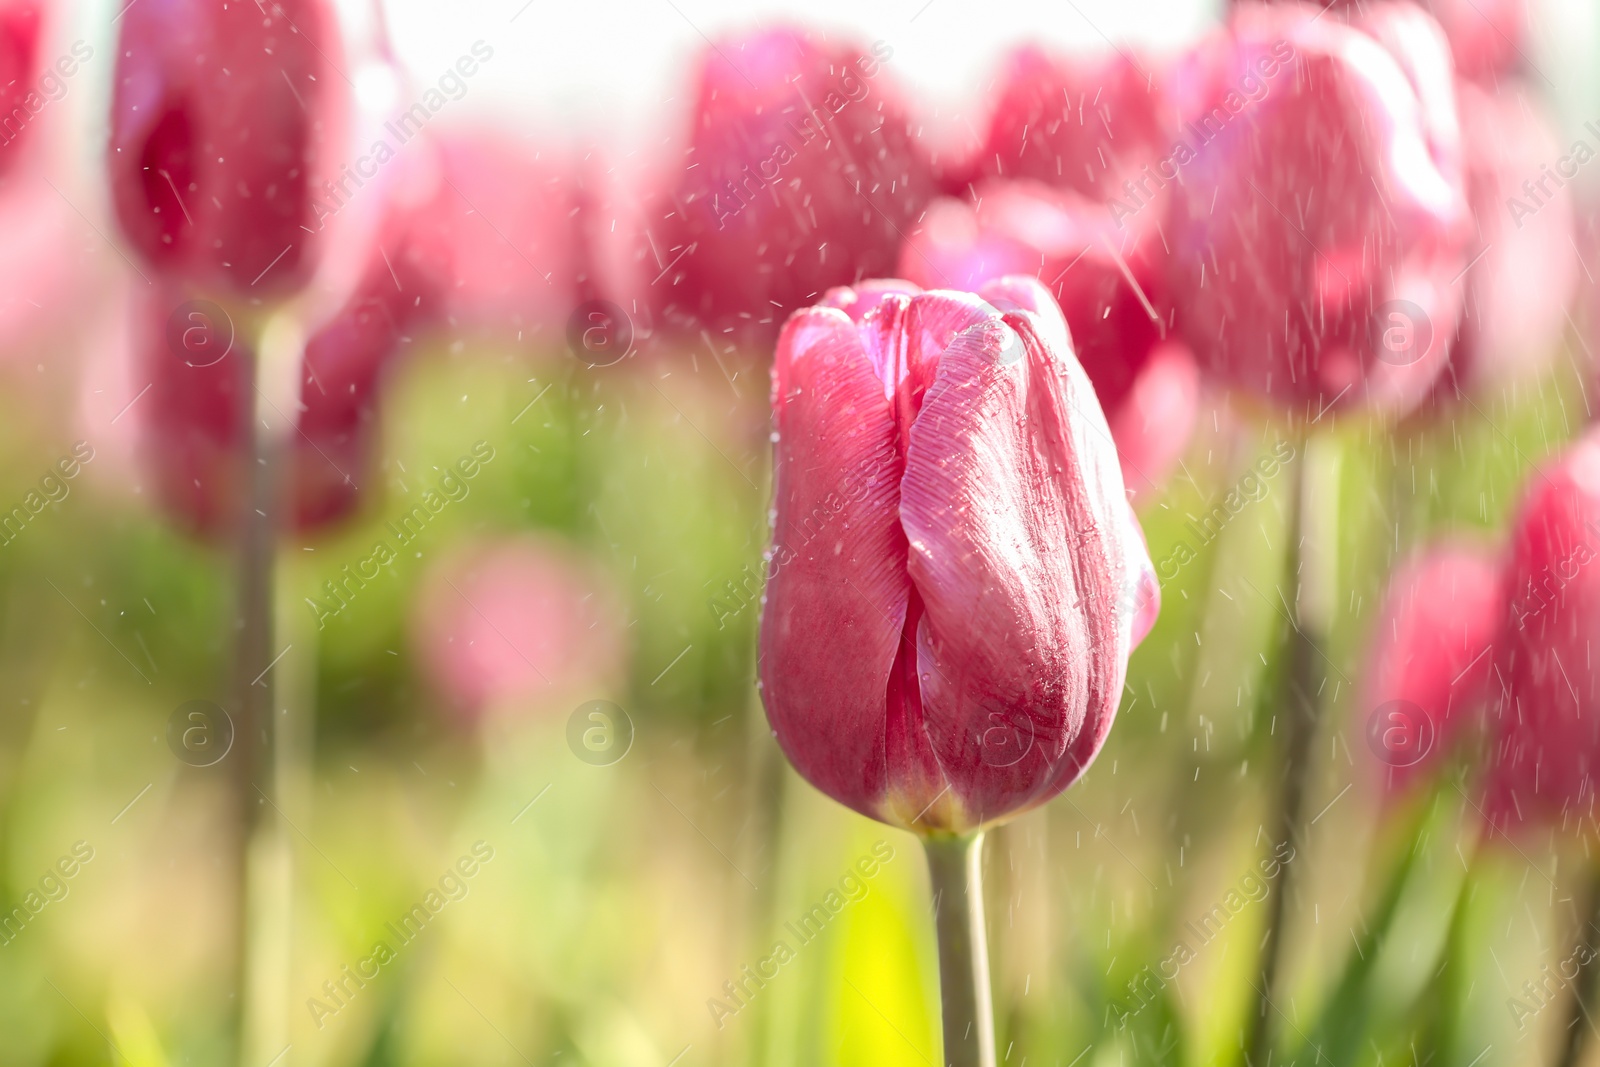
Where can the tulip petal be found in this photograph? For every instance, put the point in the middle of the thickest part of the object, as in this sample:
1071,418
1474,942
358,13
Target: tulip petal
1012,505
837,592
857,300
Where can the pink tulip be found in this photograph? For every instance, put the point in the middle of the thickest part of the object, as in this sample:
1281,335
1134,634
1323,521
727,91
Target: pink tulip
802,173
506,220
1334,299
222,120
198,367
1441,615
1486,37
1546,757
50,263
51,256
20,24
955,580
1107,275
1083,122
345,362
1524,272
515,620
199,377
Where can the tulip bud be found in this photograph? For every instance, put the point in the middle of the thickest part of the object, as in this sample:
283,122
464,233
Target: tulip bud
1441,615
19,60
802,173
955,581
1546,757
1083,122
1107,271
221,118
1339,298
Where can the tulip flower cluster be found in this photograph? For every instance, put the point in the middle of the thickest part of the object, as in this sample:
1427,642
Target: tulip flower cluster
1301,209
1473,638
1162,199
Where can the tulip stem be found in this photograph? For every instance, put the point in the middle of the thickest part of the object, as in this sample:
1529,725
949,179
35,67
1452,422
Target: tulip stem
1312,526
955,872
260,858
251,757
1580,1024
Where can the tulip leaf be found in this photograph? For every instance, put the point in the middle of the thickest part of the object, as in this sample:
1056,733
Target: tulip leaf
1343,1026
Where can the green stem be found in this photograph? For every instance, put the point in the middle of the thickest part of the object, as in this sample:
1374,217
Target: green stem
1299,700
955,871
261,855
250,759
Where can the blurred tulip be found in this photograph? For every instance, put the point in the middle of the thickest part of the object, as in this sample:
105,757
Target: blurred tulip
1415,41
1335,299
1108,277
52,258
20,23
955,580
344,364
223,120
200,374
1546,757
1442,613
506,220
1153,424
515,619
1084,122
802,173
1485,36
195,432
1523,273
53,269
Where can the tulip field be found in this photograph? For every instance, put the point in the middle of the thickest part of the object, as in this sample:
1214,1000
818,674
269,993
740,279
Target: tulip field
683,534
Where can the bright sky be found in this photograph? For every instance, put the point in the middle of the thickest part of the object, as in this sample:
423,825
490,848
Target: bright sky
613,62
